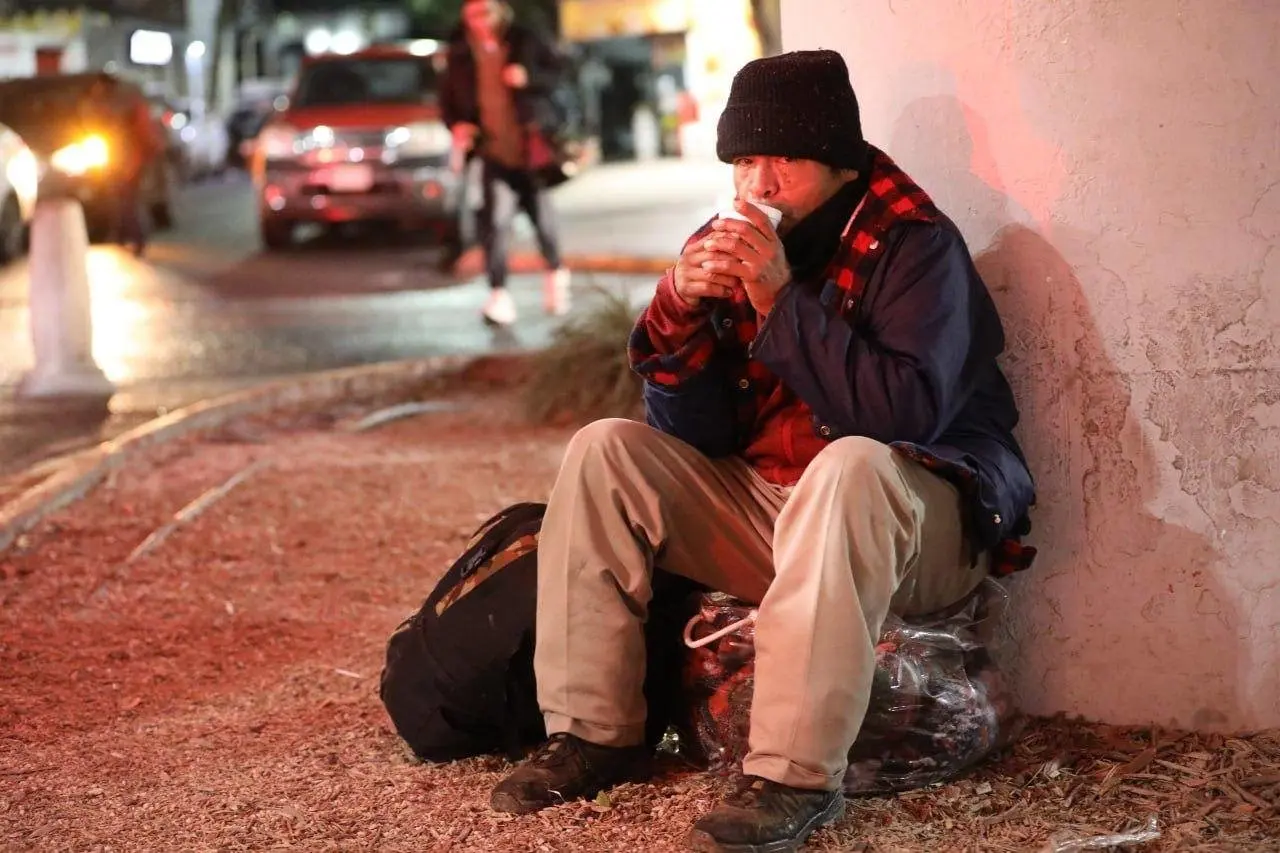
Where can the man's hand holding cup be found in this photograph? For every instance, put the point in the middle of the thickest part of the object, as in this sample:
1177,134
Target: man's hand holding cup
745,245
696,281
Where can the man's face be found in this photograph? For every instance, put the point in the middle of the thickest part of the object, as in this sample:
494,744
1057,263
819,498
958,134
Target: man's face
796,187
481,16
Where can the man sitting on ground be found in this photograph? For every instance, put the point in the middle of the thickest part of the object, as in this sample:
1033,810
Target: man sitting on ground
828,436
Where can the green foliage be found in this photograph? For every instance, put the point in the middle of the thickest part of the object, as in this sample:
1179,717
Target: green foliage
584,374
436,18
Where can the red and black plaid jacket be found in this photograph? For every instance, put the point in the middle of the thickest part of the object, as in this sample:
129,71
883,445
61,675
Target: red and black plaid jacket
707,380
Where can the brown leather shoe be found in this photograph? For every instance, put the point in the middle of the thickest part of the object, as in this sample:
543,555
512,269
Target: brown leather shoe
762,816
567,768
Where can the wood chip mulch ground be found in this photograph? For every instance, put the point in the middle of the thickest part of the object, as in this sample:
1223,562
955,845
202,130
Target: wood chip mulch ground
218,689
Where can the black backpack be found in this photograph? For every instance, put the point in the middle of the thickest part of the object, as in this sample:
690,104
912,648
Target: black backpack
458,679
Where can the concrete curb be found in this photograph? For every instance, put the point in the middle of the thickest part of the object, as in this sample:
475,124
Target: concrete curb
472,264
78,473
618,264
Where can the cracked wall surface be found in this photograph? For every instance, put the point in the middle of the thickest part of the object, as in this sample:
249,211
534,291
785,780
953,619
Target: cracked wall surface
1115,168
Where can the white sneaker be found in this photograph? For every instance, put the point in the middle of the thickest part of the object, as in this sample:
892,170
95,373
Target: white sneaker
500,309
555,292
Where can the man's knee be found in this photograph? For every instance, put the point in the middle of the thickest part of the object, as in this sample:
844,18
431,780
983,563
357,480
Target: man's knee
855,460
608,433
852,483
612,441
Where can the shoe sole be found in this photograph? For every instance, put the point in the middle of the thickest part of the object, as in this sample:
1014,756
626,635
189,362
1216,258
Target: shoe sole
704,842
508,803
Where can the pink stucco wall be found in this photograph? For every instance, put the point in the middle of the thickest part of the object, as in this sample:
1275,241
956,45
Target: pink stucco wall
1116,170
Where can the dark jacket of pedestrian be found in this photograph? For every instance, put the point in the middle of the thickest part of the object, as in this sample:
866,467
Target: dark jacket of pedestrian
497,98
534,103
145,141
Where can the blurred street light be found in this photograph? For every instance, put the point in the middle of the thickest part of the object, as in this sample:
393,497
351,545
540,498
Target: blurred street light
150,47
317,41
196,87
347,41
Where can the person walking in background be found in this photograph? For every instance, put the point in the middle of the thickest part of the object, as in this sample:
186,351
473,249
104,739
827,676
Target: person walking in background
136,141
496,100
140,145
146,145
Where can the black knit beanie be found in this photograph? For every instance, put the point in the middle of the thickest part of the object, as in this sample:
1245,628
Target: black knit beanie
797,104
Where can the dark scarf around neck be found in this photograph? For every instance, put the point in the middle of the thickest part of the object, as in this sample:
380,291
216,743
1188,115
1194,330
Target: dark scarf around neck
813,242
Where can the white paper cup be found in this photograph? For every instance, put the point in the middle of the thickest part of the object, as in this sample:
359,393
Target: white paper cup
775,215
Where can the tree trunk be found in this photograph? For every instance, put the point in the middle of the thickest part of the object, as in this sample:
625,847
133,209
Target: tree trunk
228,15
768,19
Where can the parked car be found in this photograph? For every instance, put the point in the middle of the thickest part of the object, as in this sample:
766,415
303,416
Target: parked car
72,132
360,139
198,142
19,185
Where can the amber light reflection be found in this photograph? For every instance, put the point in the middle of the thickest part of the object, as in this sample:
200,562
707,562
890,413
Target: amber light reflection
119,322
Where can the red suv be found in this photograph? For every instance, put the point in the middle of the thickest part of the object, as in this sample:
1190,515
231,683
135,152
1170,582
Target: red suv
361,139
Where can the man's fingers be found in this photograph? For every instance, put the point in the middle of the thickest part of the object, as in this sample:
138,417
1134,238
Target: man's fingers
715,279
707,290
716,261
734,268
753,213
704,272
734,226
743,231
698,283
730,244
694,258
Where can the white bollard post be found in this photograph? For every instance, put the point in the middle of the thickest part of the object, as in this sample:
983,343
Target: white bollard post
61,324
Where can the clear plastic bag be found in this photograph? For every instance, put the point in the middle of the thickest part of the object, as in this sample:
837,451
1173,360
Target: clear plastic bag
938,702
1061,842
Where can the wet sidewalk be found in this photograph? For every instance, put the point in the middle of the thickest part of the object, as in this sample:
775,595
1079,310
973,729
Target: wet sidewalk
394,326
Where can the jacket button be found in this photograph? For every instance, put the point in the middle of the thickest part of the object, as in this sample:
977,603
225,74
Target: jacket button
996,518
824,431
726,322
875,244
744,384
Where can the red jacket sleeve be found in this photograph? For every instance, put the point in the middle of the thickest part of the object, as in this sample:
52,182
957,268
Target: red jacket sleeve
672,340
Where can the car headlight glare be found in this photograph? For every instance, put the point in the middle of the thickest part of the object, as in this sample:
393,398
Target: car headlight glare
23,172
420,139
80,157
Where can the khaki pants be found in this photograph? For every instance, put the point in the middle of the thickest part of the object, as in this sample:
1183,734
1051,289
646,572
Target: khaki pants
866,531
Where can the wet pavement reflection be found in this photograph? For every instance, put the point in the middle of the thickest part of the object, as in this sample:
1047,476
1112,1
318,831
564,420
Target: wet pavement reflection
207,311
